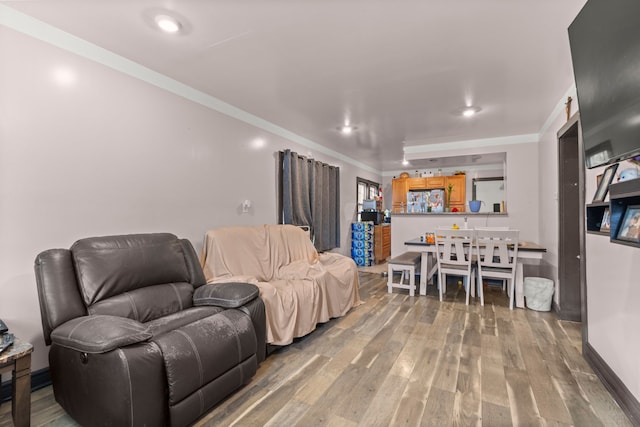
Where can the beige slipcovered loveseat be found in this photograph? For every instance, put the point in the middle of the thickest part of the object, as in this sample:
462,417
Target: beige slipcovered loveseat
299,286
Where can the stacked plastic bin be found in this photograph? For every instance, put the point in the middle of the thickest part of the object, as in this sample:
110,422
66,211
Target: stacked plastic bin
362,243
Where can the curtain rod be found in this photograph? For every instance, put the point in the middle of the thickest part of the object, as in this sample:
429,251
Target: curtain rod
308,159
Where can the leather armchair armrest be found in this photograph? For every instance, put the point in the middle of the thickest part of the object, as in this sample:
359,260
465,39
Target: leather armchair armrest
99,333
226,295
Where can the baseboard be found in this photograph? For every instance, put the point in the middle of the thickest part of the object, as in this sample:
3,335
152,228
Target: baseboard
628,403
39,379
571,316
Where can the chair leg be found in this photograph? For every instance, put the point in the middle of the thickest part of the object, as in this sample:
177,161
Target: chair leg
512,293
480,283
423,287
412,281
440,283
424,268
468,281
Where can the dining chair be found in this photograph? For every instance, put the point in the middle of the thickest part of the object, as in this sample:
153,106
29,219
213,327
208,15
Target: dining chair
454,254
504,281
494,259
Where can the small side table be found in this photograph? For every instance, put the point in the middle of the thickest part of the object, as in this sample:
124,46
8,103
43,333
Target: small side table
17,359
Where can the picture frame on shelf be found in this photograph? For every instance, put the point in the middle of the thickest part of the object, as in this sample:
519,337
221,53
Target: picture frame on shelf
603,186
630,227
605,225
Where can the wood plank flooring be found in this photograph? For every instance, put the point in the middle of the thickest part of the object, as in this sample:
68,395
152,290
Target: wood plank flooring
414,361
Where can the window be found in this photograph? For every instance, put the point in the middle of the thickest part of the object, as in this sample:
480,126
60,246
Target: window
366,190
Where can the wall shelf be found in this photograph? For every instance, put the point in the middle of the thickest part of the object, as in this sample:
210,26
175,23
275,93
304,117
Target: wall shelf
621,195
595,213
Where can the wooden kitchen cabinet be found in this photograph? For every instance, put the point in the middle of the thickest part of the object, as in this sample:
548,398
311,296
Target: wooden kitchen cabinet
459,191
399,194
435,182
400,186
381,242
416,183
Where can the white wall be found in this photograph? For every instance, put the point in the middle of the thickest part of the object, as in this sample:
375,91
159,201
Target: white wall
613,299
107,153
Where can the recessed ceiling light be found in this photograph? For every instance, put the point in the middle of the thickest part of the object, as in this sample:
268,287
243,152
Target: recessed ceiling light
347,129
470,111
168,24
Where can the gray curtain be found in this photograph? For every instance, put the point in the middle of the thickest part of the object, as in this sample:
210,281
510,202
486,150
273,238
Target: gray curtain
310,195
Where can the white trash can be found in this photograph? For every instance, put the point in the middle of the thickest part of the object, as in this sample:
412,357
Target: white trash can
538,293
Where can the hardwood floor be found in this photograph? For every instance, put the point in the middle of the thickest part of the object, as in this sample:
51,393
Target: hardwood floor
400,360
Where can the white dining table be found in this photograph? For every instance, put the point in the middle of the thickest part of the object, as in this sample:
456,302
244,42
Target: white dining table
526,250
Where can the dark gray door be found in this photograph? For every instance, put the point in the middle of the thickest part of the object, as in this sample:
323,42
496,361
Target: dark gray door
570,220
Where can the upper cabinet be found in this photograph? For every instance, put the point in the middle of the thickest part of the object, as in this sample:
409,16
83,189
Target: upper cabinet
400,187
399,194
416,183
458,191
425,183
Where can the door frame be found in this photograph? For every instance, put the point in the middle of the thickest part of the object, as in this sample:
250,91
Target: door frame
574,121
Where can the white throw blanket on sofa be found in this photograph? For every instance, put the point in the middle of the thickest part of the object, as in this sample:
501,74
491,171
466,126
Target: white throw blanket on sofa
299,287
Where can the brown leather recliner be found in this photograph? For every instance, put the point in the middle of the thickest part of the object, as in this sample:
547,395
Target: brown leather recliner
137,337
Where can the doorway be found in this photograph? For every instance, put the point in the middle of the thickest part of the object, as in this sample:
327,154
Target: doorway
571,271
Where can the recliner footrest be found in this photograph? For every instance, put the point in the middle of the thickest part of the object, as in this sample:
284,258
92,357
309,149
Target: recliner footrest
198,353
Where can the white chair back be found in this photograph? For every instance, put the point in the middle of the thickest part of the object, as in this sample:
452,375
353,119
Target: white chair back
454,246
494,246
497,256
454,254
